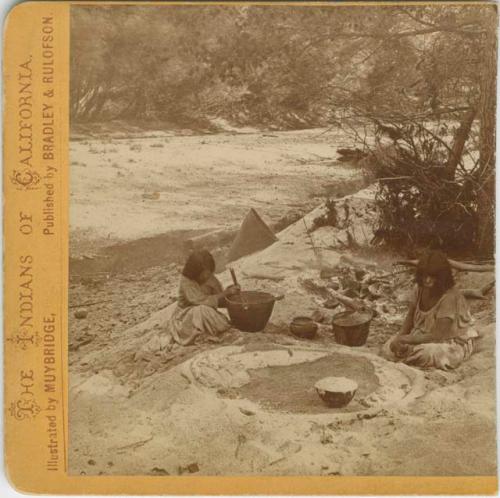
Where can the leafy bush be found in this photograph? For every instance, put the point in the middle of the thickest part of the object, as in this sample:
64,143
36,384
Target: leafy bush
419,202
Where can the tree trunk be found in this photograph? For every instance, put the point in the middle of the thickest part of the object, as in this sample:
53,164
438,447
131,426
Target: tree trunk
486,176
459,142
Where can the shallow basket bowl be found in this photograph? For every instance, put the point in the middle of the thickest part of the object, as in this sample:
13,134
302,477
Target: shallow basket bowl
336,392
250,310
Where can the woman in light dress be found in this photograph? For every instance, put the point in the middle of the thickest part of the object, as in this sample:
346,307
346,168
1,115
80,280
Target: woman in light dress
200,294
437,331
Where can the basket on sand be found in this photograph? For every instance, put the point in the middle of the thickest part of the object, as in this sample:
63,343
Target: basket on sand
250,310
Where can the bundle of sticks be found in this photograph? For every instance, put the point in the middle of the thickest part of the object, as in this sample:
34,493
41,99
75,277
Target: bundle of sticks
461,266
480,293
456,265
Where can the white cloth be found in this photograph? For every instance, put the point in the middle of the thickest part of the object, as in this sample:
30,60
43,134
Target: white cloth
446,352
196,312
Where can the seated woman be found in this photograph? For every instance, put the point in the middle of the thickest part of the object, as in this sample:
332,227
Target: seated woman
200,294
437,331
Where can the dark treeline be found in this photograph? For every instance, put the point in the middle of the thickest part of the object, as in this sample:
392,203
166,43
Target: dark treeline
184,64
272,65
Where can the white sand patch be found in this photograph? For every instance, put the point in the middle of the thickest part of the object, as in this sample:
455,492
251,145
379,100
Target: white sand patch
131,188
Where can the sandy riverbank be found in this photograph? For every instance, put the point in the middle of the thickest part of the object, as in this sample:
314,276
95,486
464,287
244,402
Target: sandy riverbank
150,416
125,189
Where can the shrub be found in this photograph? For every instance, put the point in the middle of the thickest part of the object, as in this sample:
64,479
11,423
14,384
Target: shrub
419,203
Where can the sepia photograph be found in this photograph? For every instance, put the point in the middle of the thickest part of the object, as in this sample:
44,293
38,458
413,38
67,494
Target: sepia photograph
282,240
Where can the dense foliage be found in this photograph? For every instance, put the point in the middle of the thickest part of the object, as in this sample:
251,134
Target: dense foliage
417,79
186,64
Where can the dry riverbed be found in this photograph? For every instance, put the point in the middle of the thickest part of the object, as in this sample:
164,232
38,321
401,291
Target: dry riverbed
123,189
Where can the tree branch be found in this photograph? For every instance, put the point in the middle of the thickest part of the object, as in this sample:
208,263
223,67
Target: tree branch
456,265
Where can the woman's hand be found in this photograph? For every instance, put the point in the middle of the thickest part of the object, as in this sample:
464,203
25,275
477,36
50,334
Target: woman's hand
417,337
404,339
399,346
232,290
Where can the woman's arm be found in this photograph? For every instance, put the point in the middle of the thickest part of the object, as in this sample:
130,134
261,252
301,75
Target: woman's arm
408,323
213,285
417,339
194,295
440,331
214,288
222,301
398,344
443,326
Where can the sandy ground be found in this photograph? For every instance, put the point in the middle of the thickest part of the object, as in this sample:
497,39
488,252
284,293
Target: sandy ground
137,406
125,189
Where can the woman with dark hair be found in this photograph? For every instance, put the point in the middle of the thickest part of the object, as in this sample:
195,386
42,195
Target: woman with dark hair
437,331
200,294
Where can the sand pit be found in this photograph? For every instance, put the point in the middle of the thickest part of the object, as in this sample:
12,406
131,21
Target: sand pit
291,388
282,379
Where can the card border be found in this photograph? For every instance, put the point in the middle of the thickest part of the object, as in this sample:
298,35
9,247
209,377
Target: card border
25,439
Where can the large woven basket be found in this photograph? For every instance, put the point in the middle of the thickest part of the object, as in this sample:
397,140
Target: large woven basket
250,310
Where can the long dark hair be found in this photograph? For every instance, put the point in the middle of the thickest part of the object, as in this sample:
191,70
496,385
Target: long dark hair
196,263
435,264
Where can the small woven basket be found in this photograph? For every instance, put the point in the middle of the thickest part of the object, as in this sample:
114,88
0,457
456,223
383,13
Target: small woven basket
354,334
